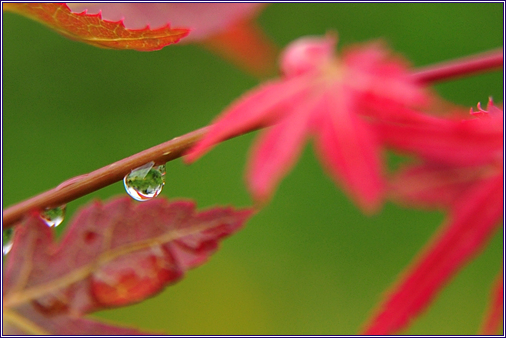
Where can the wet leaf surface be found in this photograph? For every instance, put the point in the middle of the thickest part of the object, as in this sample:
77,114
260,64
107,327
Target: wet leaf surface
112,254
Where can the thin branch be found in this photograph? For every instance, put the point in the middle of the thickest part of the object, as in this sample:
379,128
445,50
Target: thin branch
82,185
488,61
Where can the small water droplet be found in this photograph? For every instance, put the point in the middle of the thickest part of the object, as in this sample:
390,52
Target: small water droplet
7,242
145,182
53,217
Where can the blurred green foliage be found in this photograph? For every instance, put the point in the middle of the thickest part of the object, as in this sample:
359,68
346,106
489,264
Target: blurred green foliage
309,262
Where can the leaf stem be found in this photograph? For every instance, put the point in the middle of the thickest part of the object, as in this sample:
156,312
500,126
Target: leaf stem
491,60
82,185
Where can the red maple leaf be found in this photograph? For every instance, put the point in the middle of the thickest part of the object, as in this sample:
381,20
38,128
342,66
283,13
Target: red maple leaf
96,31
468,182
227,29
202,19
111,255
326,97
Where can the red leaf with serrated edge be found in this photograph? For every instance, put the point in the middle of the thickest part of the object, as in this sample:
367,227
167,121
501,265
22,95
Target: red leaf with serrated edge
201,18
112,254
94,30
226,29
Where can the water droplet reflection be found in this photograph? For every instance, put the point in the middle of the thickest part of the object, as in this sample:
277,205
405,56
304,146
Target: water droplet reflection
8,235
53,217
145,182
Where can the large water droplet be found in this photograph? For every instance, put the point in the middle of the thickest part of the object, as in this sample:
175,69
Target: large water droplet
53,217
8,234
145,182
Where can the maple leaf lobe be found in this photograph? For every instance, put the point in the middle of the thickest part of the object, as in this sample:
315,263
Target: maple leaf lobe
111,254
93,30
463,173
307,54
331,98
134,277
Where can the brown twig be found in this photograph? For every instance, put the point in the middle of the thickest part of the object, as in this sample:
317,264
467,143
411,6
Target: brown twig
82,185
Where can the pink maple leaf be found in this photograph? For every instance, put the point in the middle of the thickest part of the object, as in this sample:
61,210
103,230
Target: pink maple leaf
326,97
468,182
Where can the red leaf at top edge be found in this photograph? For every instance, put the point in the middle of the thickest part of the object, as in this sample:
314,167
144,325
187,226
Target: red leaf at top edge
95,31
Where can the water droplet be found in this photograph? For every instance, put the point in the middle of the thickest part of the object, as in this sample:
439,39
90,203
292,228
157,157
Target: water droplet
7,242
53,217
145,182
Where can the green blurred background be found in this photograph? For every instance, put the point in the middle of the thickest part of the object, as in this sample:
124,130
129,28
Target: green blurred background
309,262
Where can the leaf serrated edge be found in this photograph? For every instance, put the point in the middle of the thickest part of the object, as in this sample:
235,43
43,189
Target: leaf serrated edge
19,297
176,33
